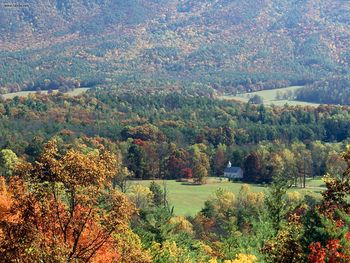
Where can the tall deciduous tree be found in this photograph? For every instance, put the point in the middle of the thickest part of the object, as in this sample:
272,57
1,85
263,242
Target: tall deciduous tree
335,164
60,210
136,161
199,163
319,155
252,168
290,171
219,160
176,163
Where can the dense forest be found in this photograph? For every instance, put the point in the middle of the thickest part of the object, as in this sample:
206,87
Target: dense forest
66,165
335,90
229,46
161,135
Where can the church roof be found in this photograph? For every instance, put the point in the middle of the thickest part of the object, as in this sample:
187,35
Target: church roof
232,169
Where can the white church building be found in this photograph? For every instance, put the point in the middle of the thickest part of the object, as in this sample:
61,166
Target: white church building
232,172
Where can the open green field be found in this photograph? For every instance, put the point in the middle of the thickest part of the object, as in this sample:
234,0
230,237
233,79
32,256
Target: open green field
75,92
269,97
315,183
189,199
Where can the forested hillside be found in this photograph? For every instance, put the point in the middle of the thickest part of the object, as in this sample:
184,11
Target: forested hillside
224,45
334,90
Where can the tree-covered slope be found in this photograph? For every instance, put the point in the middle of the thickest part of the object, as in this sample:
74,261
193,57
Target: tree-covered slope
226,45
328,91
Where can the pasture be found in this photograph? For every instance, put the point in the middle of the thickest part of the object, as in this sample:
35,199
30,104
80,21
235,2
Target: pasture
270,97
74,92
189,199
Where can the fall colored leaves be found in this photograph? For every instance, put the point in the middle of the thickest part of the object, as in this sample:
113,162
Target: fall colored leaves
62,208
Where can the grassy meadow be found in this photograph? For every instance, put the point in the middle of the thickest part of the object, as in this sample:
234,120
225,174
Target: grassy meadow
75,92
189,199
269,97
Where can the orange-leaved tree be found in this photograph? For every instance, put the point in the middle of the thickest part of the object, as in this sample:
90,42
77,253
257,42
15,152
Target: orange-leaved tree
62,209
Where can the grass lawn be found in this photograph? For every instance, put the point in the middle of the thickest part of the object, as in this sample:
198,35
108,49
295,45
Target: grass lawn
189,199
317,182
269,97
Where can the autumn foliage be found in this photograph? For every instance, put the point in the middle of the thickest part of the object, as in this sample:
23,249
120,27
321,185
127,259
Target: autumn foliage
332,252
62,209
336,209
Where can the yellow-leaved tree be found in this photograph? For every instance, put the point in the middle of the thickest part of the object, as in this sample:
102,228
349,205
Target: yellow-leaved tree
62,209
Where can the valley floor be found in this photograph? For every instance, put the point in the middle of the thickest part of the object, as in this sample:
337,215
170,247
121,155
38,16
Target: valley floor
189,199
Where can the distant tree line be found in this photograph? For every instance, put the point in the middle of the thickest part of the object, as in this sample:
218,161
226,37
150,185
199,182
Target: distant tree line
179,137
335,90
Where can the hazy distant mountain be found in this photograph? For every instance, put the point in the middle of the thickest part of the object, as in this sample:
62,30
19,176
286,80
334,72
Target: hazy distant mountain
226,44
